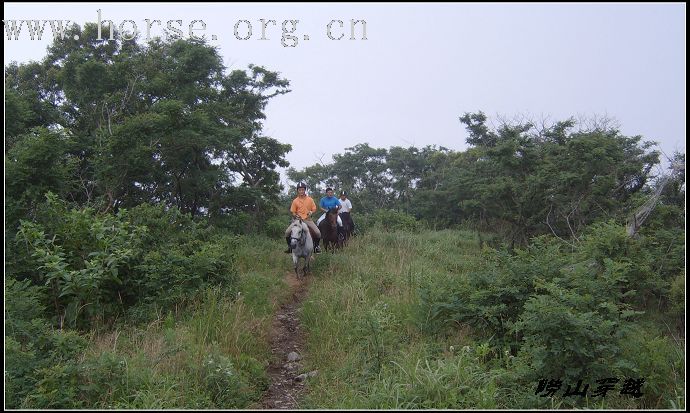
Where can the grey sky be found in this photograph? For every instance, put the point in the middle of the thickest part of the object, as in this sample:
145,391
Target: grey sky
424,65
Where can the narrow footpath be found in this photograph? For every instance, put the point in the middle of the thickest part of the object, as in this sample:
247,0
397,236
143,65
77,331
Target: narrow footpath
287,343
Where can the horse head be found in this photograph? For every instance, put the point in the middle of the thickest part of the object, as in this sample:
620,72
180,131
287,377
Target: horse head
300,243
296,232
332,217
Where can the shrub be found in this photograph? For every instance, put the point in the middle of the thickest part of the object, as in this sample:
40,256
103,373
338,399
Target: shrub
72,384
20,366
163,225
95,266
169,276
388,220
235,223
24,310
84,259
275,227
562,312
231,384
58,388
45,373
492,297
32,347
567,336
660,361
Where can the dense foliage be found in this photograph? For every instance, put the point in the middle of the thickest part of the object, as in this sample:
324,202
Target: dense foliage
136,174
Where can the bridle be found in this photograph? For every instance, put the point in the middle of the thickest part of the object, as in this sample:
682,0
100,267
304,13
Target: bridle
301,234
332,221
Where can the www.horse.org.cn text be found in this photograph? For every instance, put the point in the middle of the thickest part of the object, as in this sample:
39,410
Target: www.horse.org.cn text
285,31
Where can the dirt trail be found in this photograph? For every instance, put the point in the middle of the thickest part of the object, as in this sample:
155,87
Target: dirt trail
287,337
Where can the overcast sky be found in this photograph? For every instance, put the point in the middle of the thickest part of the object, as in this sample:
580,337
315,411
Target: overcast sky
421,66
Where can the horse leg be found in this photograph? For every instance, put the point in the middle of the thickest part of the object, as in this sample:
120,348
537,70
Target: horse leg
341,237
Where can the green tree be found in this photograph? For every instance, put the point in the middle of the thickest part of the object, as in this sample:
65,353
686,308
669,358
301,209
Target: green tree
154,123
405,166
528,183
363,170
26,182
317,177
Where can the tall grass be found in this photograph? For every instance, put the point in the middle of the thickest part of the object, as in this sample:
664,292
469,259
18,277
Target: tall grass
211,355
365,326
369,337
366,319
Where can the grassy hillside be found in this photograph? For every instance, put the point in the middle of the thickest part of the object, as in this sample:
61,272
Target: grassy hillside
384,328
371,336
209,352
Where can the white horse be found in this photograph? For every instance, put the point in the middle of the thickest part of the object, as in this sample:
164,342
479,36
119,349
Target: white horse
301,244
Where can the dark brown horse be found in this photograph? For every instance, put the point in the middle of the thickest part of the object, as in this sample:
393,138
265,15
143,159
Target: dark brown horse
329,230
348,225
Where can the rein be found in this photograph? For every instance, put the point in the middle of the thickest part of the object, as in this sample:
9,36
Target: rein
302,237
333,222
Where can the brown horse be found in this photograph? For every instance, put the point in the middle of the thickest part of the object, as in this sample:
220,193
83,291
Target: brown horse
329,230
348,226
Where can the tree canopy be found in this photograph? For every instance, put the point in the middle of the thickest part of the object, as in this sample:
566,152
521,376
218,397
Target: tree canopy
517,180
116,123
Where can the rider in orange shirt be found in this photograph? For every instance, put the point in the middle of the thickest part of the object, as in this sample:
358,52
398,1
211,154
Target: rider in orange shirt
304,207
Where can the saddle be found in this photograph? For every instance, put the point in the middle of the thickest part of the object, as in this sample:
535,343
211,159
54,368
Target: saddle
311,231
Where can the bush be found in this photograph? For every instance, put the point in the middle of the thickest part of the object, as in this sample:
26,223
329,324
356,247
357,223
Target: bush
677,298
567,336
31,346
58,388
170,276
95,266
563,312
103,379
20,377
233,385
24,310
658,360
275,227
163,225
386,220
40,373
235,223
492,297
92,383
84,258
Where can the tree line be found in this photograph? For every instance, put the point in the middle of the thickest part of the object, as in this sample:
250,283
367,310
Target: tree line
519,179
114,124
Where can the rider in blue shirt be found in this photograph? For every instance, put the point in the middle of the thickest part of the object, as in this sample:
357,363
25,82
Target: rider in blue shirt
327,202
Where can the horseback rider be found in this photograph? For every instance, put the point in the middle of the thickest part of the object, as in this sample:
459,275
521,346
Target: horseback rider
346,208
330,202
304,207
